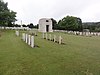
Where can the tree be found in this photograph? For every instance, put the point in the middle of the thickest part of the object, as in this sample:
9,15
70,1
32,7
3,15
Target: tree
70,23
6,16
24,25
54,24
31,25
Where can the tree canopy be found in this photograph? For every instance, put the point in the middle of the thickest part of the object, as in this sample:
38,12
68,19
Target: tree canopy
7,16
54,23
70,23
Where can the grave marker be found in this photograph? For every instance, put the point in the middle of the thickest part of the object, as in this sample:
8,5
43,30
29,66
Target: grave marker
29,39
17,33
23,36
54,38
32,41
26,38
60,40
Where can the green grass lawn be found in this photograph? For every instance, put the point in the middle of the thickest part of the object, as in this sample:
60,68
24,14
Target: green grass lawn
79,56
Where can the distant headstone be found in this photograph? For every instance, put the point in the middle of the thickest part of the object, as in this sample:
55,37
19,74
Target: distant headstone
95,34
91,33
75,32
87,33
17,33
80,33
99,34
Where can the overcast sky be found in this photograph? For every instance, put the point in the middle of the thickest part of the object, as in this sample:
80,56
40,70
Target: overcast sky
30,11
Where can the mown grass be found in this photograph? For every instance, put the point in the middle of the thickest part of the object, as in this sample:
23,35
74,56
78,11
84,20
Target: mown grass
79,55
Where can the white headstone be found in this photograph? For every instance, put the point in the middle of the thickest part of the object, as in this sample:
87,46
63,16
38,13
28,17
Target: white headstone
54,38
91,33
26,38
87,34
99,34
60,40
23,36
32,41
75,32
29,39
17,33
80,33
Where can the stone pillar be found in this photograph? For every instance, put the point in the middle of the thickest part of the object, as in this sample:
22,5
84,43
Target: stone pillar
32,41
29,39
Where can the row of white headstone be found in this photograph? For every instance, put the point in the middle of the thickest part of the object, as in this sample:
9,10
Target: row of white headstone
87,33
28,39
53,38
80,33
16,28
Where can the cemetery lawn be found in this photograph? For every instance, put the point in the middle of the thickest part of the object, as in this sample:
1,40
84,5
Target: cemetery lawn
79,55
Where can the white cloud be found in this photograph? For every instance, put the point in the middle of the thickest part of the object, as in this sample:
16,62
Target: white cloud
32,10
91,13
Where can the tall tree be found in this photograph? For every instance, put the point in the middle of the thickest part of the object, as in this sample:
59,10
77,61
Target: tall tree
6,15
54,24
70,23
